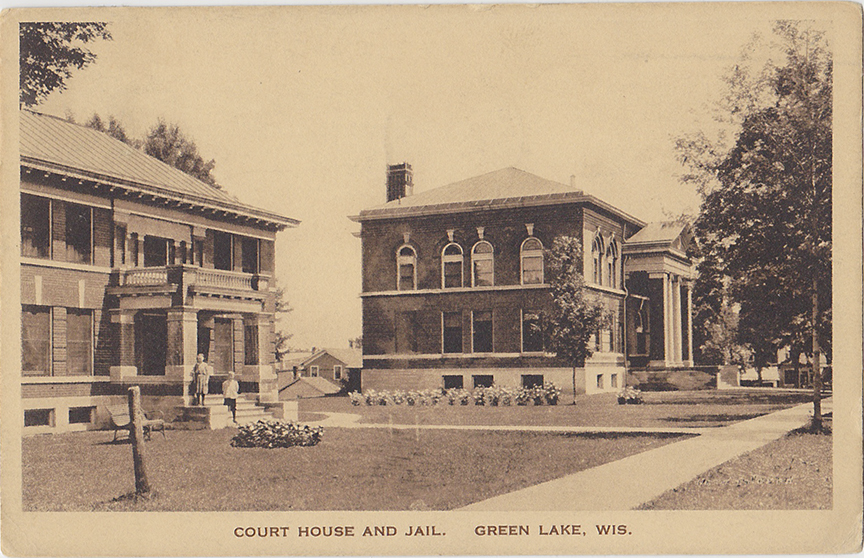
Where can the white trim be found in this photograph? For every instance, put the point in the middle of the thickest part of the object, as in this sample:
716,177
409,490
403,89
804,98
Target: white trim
314,371
399,260
64,379
604,289
533,254
443,356
483,257
337,369
464,290
42,262
66,198
445,259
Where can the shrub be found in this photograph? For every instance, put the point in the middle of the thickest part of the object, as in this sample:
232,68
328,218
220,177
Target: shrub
356,398
276,434
551,393
491,396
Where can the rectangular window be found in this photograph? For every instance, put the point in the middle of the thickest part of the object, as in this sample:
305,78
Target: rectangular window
223,346
483,276
222,250
532,380
79,234
155,251
119,245
250,255
80,415
452,332
483,380
250,344
532,335
79,342
599,381
406,276
313,371
482,331
532,270
35,227
453,382
452,275
337,372
606,340
406,332
39,417
613,380
35,341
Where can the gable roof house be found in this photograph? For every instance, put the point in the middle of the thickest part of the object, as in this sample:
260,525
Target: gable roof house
324,372
454,285
129,269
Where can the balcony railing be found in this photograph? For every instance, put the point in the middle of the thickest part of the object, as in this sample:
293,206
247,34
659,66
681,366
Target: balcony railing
192,275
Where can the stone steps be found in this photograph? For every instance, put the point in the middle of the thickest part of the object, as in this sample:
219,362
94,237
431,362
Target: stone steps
215,414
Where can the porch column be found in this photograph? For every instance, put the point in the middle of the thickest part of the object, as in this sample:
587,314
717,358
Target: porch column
676,320
690,324
123,322
257,329
667,320
181,347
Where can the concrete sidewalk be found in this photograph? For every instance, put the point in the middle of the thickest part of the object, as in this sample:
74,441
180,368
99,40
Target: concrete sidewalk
634,480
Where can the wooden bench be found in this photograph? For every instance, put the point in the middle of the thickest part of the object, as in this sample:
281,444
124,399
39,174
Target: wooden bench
120,420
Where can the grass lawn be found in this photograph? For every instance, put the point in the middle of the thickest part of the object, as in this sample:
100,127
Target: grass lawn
351,469
680,409
794,472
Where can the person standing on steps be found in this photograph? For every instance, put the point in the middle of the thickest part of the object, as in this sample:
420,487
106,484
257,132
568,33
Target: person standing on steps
230,391
201,374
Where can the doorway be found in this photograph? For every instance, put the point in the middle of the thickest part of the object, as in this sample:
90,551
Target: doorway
151,335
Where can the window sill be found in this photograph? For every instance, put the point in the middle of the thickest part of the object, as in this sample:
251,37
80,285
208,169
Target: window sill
458,290
40,262
64,379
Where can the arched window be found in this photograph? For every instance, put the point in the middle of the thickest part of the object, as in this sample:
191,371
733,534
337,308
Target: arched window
482,265
406,269
612,264
451,266
597,260
532,261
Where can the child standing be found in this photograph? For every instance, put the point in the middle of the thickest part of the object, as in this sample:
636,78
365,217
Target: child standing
230,391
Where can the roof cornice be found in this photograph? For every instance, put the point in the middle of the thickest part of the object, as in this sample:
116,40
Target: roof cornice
398,212
275,220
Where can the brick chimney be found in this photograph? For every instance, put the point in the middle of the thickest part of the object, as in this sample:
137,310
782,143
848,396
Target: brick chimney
400,181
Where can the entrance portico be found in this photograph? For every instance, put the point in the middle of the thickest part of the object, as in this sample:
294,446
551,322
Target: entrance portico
662,277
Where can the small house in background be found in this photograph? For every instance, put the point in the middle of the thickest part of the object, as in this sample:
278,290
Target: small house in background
291,364
323,372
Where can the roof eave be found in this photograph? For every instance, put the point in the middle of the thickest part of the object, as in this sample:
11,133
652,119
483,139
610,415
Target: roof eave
489,205
280,222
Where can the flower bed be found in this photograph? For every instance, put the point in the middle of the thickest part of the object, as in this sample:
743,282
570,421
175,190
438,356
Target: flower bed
493,396
276,434
629,396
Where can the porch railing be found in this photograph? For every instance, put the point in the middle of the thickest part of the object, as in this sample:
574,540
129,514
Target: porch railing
192,275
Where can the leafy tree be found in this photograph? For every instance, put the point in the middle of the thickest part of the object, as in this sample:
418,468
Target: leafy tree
49,51
765,221
281,307
168,144
575,316
113,128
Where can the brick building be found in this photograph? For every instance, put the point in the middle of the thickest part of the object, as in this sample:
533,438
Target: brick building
129,269
453,279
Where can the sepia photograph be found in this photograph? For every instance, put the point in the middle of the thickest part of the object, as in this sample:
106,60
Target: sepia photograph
449,279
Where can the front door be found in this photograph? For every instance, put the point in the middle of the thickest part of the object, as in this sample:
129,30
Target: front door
223,346
151,333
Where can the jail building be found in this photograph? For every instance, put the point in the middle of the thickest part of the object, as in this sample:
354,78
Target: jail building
129,269
454,285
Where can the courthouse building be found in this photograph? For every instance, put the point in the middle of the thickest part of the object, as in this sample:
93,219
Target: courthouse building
454,281
129,269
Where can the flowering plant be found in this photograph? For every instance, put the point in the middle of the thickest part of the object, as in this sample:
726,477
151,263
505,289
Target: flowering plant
630,396
276,434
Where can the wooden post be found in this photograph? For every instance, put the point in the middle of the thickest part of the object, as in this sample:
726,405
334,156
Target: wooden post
136,434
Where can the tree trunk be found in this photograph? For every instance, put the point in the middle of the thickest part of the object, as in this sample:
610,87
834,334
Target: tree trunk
816,426
136,434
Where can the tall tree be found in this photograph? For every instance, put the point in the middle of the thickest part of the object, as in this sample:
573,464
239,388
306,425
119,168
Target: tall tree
575,315
282,307
113,128
765,221
49,51
167,143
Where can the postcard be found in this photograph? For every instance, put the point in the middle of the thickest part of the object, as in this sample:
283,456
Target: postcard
491,279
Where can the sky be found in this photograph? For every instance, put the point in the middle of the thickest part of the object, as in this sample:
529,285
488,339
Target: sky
302,109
